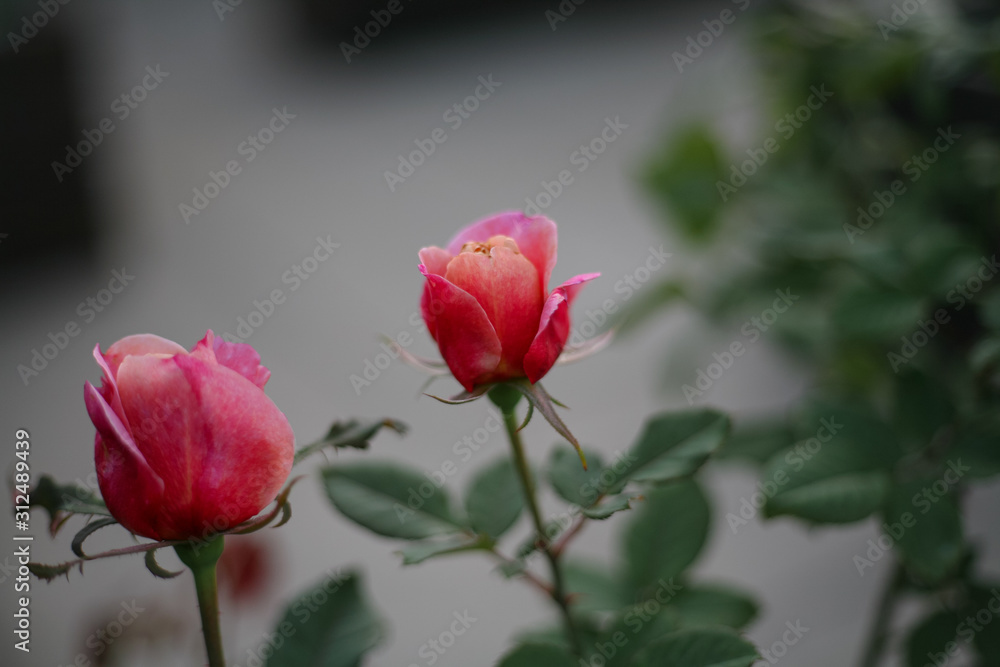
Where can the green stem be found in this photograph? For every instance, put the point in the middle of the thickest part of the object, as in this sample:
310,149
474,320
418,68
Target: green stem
558,591
202,558
880,632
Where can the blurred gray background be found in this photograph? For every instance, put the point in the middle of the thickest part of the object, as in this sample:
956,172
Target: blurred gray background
323,176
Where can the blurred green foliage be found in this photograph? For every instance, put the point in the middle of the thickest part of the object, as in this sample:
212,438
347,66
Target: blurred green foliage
871,191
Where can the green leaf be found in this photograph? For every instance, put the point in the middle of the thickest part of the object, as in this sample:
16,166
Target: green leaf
537,655
666,533
594,587
634,628
830,496
838,475
684,179
609,506
671,446
757,442
58,498
876,315
352,433
495,499
339,630
978,447
985,355
714,605
570,480
931,637
418,552
390,500
927,528
923,406
987,641
708,647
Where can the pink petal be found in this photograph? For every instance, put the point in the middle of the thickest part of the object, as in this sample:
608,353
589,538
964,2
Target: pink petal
505,284
242,358
137,345
535,237
222,448
553,329
130,487
430,317
467,340
239,357
109,387
435,260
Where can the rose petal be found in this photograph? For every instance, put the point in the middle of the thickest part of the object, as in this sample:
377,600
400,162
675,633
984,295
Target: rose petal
222,448
505,284
137,345
242,358
435,260
536,238
122,469
467,340
553,329
109,387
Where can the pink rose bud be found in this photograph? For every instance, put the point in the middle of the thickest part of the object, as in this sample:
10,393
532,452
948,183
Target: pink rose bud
187,443
486,300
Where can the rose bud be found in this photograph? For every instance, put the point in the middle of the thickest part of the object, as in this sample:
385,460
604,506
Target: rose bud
486,300
187,443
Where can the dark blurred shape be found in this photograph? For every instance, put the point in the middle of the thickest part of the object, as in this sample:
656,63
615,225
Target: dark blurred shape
44,219
329,23
246,569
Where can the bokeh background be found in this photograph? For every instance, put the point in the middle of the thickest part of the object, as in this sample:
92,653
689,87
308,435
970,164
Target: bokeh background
224,70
